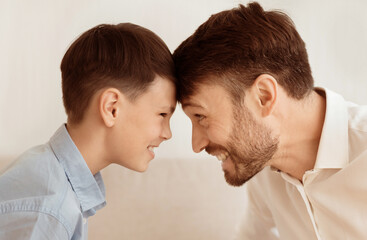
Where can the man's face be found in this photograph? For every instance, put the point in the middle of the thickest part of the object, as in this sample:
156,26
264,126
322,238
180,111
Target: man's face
229,132
144,125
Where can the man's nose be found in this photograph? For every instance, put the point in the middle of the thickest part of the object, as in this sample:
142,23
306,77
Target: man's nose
199,139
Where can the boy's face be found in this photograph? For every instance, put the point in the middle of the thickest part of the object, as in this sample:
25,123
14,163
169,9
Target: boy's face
144,125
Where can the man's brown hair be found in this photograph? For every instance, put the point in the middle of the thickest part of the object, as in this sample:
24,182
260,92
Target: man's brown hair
232,48
125,56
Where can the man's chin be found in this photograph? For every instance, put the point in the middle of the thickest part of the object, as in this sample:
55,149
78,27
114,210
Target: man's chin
234,181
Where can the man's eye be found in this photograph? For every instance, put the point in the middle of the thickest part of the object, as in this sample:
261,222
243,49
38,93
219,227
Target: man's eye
199,117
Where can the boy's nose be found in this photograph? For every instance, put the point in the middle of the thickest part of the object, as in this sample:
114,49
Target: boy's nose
166,132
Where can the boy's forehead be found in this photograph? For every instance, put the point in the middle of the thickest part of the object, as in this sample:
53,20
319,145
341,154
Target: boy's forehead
161,93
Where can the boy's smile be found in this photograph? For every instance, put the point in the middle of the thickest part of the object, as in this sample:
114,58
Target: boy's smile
144,125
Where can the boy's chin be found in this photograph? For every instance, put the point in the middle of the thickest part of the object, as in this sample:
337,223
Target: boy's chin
142,167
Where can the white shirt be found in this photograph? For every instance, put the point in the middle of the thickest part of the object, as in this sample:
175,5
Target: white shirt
332,201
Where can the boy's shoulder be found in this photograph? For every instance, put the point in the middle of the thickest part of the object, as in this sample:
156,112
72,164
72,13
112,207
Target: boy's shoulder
35,171
36,182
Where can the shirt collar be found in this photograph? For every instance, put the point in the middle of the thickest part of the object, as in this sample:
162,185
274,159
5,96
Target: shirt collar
89,189
333,146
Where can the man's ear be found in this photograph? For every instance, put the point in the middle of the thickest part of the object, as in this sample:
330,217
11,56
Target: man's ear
265,90
109,107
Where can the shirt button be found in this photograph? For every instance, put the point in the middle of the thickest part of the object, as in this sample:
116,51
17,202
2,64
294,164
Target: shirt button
84,220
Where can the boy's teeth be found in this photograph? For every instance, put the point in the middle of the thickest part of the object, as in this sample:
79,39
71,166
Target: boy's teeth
151,149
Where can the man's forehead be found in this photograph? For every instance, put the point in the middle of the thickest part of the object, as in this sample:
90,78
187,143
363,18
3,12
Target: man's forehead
204,95
196,99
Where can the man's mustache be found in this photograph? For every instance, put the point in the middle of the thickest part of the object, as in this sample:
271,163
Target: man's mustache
212,147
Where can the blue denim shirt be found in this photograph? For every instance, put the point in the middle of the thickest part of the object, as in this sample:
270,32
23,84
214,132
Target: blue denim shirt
49,192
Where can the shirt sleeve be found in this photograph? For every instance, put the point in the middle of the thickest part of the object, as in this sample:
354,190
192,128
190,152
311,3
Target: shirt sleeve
257,222
32,226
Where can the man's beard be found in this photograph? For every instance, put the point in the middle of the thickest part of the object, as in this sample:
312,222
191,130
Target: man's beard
250,147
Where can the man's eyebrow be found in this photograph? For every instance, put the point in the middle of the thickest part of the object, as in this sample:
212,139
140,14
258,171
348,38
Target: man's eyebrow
184,105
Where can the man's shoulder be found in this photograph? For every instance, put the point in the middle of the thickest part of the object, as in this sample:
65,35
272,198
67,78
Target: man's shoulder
357,117
357,131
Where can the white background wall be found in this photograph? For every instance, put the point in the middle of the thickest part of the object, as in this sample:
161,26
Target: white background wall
35,34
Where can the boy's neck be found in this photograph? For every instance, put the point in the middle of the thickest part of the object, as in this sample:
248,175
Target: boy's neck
88,140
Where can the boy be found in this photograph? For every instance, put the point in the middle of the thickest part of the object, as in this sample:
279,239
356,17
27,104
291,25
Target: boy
118,89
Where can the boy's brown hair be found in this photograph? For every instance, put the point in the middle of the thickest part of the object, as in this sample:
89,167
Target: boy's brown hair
232,48
125,56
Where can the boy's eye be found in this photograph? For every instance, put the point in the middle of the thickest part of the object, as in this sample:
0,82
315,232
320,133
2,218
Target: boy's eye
163,114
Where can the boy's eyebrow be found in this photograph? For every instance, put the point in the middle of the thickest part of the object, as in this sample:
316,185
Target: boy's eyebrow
171,109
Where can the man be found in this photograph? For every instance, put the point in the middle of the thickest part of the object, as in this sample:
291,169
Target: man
245,82
119,94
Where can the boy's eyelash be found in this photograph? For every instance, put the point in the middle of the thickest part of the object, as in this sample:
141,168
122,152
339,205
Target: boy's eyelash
163,114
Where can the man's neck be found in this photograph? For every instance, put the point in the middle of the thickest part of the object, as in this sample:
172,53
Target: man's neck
300,131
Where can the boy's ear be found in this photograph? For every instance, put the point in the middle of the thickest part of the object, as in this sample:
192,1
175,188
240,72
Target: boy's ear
265,91
109,106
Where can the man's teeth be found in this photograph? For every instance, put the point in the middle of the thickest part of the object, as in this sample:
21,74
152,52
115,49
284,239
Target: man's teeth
222,156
